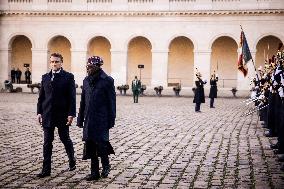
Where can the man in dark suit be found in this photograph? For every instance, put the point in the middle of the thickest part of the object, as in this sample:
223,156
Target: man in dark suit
136,87
97,115
56,107
13,75
18,75
28,76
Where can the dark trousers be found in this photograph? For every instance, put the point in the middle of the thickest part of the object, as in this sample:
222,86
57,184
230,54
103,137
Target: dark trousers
197,106
135,96
18,80
13,79
211,102
273,110
281,129
99,149
28,80
63,133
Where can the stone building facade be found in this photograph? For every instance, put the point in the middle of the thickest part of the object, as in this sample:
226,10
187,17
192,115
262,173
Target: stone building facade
171,38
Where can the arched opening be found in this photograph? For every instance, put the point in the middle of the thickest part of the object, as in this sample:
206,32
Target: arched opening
224,61
265,49
62,45
139,53
100,46
21,56
181,62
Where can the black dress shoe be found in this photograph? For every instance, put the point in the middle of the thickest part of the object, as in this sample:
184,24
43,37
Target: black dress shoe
212,106
274,146
282,168
105,172
281,158
268,134
72,166
43,174
277,152
91,177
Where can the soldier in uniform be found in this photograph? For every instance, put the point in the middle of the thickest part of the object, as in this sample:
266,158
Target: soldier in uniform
199,96
136,87
213,89
96,116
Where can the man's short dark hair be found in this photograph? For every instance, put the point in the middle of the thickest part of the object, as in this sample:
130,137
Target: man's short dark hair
57,55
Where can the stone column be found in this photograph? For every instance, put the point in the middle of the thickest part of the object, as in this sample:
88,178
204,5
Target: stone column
78,65
119,67
160,68
5,66
202,63
40,64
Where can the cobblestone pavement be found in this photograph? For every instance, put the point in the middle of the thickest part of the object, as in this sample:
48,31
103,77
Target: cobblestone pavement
159,143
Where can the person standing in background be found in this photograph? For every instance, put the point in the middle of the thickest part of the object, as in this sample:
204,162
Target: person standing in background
136,87
213,89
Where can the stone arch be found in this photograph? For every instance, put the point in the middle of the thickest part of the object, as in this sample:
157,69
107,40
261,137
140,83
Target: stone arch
126,43
266,47
181,61
235,38
62,45
100,46
20,55
224,58
280,37
139,52
12,37
191,38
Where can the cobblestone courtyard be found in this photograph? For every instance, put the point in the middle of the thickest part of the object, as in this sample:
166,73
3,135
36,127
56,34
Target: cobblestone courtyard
159,143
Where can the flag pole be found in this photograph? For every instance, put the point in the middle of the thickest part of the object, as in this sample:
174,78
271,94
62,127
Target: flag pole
252,60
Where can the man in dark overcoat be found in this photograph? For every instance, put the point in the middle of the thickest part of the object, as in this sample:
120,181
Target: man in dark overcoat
213,89
18,75
28,76
136,87
13,75
97,115
56,107
199,96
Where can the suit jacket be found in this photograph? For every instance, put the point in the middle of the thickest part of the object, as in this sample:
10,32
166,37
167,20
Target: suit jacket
97,108
57,99
136,86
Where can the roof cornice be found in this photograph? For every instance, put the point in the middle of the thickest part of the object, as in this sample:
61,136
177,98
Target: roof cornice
142,13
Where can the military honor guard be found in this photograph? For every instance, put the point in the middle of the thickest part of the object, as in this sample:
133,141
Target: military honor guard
270,101
213,89
199,96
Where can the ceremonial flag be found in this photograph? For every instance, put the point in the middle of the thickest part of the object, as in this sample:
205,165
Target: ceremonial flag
245,55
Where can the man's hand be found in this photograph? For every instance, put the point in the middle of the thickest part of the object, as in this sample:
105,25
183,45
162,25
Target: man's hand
69,120
39,118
